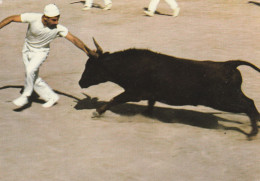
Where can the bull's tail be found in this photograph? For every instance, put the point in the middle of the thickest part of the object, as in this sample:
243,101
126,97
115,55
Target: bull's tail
236,63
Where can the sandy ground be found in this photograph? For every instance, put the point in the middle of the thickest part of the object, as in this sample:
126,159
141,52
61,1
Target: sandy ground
63,143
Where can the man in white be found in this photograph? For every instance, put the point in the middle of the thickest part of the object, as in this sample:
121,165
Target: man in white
154,3
89,3
42,29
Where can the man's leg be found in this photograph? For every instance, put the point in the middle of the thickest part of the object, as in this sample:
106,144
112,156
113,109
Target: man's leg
88,5
45,92
32,70
23,100
174,6
108,4
152,7
32,62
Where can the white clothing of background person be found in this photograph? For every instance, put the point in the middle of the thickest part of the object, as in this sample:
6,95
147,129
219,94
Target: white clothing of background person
154,3
89,3
42,29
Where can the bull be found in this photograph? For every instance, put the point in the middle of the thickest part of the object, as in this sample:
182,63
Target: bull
146,75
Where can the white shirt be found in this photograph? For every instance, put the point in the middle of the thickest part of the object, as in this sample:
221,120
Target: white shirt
38,36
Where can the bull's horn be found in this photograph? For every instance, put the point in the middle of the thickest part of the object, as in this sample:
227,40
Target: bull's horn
99,49
91,53
87,48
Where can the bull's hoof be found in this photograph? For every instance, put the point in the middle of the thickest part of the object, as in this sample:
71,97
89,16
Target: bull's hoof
95,114
252,135
251,138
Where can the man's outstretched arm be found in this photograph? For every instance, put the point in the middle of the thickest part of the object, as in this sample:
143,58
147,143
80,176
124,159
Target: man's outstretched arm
78,43
6,21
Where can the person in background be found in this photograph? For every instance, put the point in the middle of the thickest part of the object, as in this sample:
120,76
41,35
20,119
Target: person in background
154,3
42,29
89,3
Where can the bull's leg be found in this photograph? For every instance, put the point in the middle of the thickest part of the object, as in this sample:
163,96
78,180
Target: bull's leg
239,103
150,107
253,114
254,118
120,99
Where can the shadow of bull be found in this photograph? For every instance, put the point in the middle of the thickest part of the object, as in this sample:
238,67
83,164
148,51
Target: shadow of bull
165,115
162,114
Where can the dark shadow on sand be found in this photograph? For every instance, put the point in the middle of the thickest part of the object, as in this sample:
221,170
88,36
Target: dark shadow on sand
76,2
34,97
94,5
157,12
253,2
166,115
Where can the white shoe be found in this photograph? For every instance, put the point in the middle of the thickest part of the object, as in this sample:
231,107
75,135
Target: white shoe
21,101
86,8
50,102
149,13
108,7
176,12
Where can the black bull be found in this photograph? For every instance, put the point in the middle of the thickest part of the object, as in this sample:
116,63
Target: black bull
146,75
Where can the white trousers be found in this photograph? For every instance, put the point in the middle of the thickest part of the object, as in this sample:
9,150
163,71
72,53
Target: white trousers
32,61
90,2
154,3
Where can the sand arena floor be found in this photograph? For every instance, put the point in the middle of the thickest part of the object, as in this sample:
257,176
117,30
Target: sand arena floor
184,143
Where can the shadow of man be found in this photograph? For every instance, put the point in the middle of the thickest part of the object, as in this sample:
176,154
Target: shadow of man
166,115
34,97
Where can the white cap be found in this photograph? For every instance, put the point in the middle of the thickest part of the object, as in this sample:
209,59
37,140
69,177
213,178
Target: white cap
51,10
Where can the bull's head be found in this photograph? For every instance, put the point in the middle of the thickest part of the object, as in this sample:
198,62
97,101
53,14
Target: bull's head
94,72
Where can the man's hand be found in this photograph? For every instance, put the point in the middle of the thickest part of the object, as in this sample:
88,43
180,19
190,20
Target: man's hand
77,42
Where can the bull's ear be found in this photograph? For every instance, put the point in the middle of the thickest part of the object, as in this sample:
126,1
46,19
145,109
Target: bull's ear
99,49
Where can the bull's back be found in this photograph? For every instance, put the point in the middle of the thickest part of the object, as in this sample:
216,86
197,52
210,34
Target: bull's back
146,68
173,80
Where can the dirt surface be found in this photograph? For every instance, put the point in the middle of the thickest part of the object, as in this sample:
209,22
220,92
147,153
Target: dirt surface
63,143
